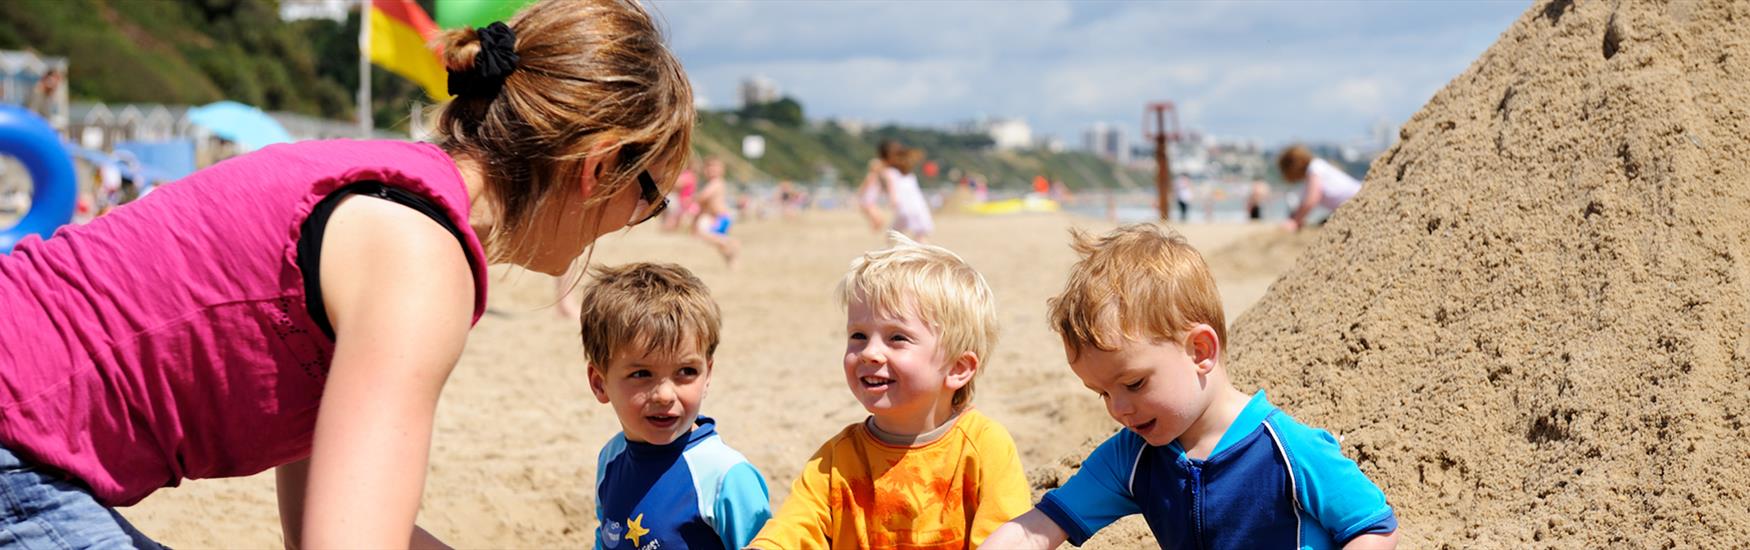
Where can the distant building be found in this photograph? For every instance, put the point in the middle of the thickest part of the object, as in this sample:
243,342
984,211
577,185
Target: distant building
1009,133
98,126
1383,134
1109,142
1094,139
1119,143
333,10
759,90
851,126
315,9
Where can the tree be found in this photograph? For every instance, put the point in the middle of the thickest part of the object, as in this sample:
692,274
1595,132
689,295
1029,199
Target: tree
783,112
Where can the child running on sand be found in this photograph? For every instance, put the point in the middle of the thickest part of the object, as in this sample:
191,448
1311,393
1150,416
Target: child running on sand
667,480
714,221
1208,466
1326,185
911,212
925,470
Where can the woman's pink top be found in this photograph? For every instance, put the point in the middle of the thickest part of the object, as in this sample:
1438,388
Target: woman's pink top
169,339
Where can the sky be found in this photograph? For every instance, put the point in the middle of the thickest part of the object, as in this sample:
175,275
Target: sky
1269,70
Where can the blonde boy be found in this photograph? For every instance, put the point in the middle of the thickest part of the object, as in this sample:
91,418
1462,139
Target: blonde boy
925,469
667,480
1206,465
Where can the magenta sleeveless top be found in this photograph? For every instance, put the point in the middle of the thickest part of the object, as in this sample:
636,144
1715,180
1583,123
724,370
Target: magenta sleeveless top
169,339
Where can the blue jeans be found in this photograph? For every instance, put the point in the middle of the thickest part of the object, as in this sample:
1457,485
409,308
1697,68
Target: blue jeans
40,510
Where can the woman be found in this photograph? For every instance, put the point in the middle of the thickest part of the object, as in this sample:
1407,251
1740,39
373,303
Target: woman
300,308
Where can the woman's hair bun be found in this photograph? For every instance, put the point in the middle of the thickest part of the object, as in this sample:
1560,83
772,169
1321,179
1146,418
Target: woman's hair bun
460,47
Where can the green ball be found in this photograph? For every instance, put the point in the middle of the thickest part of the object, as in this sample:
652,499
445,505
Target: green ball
476,13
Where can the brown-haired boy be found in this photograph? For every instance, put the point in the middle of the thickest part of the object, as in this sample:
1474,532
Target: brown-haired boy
1207,465
649,332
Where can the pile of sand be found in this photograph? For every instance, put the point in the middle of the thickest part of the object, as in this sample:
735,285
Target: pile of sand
1533,324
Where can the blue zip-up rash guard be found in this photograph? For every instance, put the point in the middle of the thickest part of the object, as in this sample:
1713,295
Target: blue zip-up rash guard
1271,482
693,493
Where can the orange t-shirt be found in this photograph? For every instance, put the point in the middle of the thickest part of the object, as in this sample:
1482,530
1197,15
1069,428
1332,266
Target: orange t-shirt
859,492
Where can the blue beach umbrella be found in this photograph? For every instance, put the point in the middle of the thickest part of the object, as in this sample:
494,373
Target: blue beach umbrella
244,124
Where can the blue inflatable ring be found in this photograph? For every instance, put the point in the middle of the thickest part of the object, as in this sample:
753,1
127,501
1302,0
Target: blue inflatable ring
54,189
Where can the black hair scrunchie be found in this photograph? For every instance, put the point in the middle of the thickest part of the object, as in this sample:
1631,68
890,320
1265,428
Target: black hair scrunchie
495,62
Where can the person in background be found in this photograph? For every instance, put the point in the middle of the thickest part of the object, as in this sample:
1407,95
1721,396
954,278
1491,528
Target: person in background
1326,185
686,185
43,99
911,212
869,195
1255,198
714,214
1182,197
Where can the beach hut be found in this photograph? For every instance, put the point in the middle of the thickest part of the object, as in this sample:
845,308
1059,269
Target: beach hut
91,123
127,125
159,124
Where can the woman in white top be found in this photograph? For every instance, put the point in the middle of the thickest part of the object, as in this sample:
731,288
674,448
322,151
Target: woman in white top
911,212
1326,185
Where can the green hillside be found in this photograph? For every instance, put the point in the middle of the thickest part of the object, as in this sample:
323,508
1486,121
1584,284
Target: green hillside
200,51
804,151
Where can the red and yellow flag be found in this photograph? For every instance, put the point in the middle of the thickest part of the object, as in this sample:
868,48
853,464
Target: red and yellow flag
400,32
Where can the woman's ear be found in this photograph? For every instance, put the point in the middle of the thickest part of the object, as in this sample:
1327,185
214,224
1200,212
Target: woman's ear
592,173
596,164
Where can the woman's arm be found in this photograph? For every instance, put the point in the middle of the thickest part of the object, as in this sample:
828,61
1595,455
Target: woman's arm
289,482
400,295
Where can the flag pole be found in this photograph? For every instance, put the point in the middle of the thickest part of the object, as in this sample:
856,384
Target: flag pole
364,98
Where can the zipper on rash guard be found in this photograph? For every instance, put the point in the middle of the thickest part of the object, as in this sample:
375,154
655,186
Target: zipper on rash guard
1197,503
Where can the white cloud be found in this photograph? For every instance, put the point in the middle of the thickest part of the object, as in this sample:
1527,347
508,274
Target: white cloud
1359,95
1267,69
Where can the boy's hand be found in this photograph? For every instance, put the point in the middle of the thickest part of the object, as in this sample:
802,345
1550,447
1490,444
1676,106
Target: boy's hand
1032,530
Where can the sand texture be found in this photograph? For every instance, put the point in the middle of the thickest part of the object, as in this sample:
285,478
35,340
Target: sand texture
513,460
1532,327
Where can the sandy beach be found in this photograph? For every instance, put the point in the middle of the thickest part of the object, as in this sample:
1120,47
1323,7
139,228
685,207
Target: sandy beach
513,460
